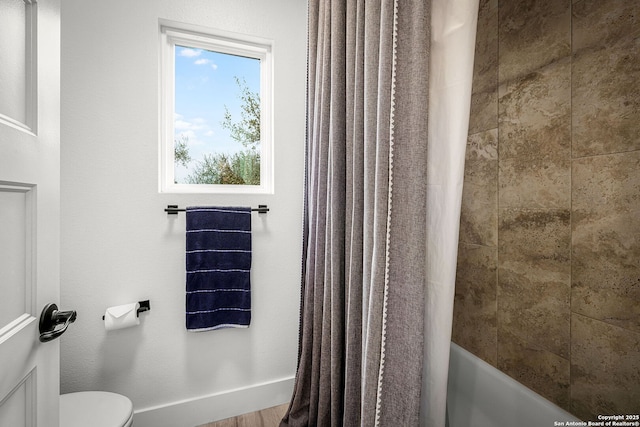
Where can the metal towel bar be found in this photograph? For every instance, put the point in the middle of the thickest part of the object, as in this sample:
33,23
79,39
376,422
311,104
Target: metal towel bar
173,209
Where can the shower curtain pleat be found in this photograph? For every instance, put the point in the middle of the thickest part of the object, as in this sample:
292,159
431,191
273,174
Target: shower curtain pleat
363,284
355,209
407,220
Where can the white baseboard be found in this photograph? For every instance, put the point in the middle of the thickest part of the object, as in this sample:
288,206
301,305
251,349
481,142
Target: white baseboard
215,407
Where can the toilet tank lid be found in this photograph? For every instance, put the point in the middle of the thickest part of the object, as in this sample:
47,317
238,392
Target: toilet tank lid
95,408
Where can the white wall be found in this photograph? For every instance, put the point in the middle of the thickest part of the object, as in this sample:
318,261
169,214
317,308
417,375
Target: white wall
119,246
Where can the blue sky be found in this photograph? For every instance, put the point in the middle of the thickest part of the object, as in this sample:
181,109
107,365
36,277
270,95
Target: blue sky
204,84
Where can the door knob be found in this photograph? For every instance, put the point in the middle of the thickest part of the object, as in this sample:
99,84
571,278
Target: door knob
52,317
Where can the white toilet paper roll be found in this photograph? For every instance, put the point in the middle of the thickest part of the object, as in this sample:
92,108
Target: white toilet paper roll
121,316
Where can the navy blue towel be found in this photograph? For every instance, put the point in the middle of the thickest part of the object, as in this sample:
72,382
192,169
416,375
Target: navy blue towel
218,267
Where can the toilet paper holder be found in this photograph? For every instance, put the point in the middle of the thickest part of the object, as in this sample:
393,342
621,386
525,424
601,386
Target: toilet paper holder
144,306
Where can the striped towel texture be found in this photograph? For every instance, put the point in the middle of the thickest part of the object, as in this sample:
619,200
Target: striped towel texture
218,261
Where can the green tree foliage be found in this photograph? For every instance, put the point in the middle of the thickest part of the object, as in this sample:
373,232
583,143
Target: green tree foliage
181,151
247,130
239,168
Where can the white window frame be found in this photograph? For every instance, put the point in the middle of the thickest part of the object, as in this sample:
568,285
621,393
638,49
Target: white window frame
172,34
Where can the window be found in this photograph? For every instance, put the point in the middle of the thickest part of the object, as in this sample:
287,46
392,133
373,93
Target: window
216,133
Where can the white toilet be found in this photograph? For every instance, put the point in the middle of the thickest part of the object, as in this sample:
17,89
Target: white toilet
95,409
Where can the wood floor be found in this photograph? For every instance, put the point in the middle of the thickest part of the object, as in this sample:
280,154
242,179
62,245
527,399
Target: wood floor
269,417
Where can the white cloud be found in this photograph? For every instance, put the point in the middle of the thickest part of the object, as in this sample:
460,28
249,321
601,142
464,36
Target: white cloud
189,134
189,53
193,129
204,61
182,125
193,125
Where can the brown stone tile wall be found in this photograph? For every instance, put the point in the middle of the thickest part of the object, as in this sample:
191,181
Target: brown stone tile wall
548,280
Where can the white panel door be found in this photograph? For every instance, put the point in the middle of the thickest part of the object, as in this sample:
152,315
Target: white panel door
29,209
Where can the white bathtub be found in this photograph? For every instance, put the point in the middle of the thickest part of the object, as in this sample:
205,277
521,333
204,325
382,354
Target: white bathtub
479,395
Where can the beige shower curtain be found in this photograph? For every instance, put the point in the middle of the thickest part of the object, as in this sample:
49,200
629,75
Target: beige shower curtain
363,287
